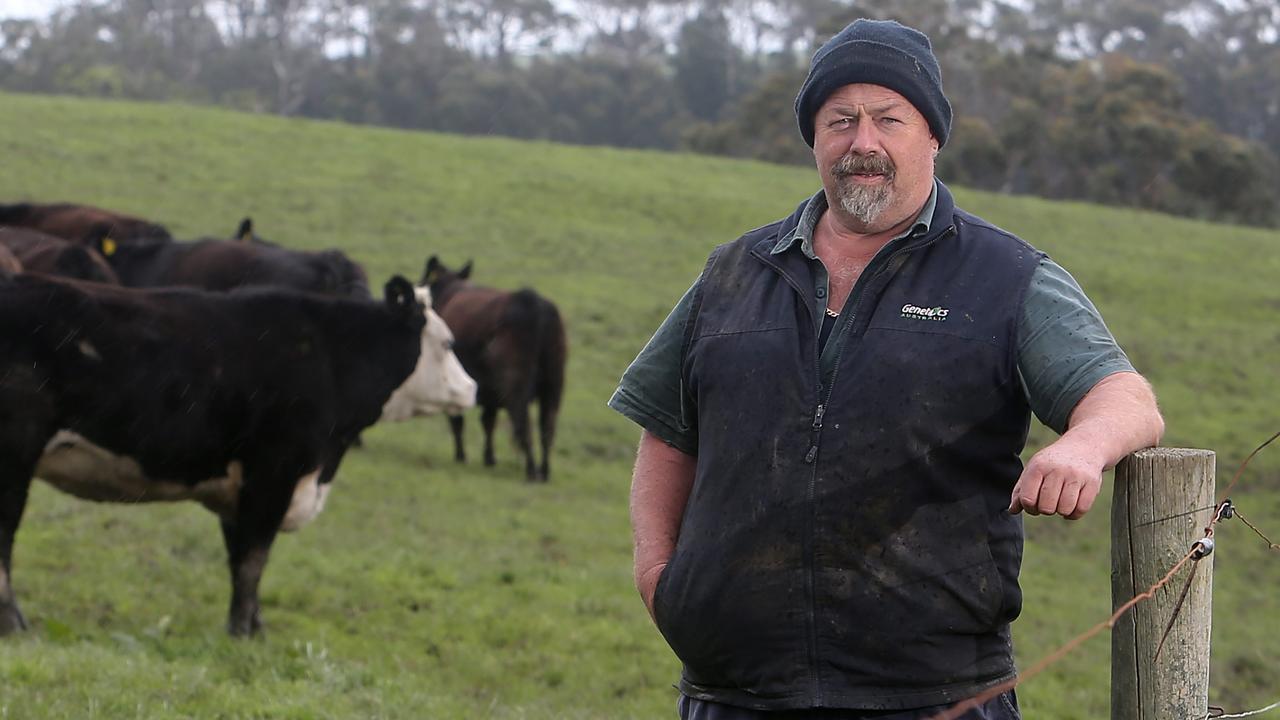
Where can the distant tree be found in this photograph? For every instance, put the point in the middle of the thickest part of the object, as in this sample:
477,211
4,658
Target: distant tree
480,99
705,62
762,124
604,99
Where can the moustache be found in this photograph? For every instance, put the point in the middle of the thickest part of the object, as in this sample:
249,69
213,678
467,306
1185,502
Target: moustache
851,164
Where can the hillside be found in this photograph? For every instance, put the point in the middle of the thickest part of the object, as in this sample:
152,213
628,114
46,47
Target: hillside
435,590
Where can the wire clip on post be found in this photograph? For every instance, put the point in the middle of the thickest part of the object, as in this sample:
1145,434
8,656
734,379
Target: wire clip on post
1202,548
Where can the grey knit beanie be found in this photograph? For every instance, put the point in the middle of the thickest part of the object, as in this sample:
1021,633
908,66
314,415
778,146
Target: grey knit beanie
879,52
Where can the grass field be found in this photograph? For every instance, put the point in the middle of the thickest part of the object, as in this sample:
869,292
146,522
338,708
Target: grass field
433,590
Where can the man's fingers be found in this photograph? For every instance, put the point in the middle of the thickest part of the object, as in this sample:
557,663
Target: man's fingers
1069,500
1026,493
1088,494
1050,492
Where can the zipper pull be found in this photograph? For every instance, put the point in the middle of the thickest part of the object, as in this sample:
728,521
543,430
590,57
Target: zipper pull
817,417
809,456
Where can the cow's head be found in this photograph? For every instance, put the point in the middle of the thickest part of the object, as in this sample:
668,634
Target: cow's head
441,280
438,382
75,261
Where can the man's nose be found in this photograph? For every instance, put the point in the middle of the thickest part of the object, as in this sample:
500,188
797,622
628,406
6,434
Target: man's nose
866,137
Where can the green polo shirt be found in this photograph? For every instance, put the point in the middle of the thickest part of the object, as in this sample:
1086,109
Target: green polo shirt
1064,347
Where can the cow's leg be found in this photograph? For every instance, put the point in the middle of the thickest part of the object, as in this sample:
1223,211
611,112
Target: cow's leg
547,434
519,412
263,504
15,482
489,419
455,424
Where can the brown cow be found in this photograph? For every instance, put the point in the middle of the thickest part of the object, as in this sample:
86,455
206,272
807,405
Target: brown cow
513,345
51,255
81,223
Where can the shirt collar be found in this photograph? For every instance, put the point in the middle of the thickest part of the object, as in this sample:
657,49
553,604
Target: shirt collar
817,205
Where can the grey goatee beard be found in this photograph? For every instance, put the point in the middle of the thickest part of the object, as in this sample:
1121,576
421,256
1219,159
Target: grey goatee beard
865,203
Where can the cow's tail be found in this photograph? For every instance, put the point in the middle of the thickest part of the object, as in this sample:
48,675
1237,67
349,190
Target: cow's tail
553,353
542,332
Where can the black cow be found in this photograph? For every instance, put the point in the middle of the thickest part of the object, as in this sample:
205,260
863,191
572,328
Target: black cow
52,255
513,345
84,224
233,399
226,264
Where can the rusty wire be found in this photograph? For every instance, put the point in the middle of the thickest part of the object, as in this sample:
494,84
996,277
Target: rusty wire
1245,464
1267,540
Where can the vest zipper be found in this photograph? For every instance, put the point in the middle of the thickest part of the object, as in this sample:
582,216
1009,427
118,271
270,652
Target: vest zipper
811,614
810,456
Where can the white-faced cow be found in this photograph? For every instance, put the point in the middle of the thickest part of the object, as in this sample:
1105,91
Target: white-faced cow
243,401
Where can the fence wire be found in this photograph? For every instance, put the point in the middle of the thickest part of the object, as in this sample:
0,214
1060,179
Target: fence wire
1217,712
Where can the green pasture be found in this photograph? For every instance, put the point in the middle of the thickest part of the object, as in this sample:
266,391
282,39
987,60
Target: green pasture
433,590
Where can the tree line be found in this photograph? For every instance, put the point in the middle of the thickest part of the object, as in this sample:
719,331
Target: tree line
1171,105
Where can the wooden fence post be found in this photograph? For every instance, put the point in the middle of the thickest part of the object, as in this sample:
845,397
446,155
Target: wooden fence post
1163,500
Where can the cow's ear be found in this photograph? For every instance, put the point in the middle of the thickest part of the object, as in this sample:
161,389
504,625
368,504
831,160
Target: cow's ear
465,272
102,240
399,294
99,238
244,233
431,271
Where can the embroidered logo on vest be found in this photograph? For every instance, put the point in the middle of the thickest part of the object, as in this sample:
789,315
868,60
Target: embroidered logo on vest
935,314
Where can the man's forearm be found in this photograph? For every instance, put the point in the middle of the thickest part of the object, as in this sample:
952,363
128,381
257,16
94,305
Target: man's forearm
660,486
1118,416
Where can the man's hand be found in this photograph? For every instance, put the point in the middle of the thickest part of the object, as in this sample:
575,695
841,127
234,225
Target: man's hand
1059,480
647,584
1117,416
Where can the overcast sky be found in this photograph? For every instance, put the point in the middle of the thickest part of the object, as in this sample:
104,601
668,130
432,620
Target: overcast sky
28,8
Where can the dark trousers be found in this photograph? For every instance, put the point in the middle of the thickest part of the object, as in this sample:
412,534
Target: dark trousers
1001,707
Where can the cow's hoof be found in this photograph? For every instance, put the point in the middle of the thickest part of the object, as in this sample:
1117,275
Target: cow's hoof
239,628
11,620
459,457
489,461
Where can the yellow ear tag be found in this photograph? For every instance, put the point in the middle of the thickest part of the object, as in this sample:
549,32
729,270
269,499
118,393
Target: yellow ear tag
108,246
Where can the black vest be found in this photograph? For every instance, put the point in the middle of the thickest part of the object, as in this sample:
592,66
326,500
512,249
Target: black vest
849,546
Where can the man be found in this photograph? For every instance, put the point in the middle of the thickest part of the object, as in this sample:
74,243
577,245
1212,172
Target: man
825,500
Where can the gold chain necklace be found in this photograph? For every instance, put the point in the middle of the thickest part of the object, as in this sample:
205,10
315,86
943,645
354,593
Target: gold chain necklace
832,313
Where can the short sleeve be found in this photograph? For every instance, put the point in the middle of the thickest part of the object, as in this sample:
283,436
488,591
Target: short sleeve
651,392
1064,347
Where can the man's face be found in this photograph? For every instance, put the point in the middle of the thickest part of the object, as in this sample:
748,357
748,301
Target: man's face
875,154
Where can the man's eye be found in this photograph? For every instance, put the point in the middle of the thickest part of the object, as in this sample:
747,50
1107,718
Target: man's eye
842,123
890,120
